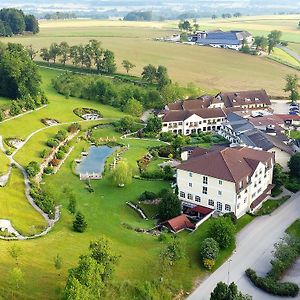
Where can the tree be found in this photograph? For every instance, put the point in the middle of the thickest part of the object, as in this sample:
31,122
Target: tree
45,54
15,108
127,65
33,168
224,292
294,165
260,42
237,14
292,86
19,75
31,24
31,52
171,253
57,260
79,224
169,206
54,51
64,51
223,231
273,39
15,251
214,17
278,175
133,107
149,73
154,124
122,174
16,280
108,65
14,19
89,279
162,77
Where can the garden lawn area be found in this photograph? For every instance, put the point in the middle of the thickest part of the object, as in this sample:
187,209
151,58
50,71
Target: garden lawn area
281,54
154,164
270,205
4,162
59,108
16,208
294,134
243,221
294,229
224,69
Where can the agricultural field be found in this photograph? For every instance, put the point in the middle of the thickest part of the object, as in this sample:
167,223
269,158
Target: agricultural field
214,70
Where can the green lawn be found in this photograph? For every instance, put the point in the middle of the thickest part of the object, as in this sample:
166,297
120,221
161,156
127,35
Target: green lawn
4,162
295,47
284,56
295,134
224,69
16,208
270,205
294,229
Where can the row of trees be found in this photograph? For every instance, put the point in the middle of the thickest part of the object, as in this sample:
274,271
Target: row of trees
90,55
14,21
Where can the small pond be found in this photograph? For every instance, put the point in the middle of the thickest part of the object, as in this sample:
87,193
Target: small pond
94,162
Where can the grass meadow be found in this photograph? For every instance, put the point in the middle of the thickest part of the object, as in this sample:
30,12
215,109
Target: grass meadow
211,69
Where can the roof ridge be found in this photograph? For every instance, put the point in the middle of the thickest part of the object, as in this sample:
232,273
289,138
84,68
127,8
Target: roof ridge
221,153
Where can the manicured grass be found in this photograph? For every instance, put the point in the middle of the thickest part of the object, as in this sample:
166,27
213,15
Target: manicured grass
243,221
4,162
281,54
270,205
16,208
224,69
154,164
295,134
59,108
294,229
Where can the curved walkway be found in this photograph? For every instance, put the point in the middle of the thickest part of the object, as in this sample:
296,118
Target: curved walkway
49,221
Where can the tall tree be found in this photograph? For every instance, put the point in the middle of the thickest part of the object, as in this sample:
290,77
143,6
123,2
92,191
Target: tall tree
127,65
149,73
169,206
64,52
45,55
273,39
162,77
294,165
31,24
122,174
292,86
31,52
108,65
54,51
79,223
228,292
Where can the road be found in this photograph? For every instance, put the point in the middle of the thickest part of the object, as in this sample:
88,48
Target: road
290,52
254,245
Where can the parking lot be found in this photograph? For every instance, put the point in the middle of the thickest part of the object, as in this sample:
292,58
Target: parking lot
280,106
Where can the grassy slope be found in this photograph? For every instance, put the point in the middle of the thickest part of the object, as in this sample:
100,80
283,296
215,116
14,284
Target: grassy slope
215,69
59,108
3,163
285,57
295,47
15,207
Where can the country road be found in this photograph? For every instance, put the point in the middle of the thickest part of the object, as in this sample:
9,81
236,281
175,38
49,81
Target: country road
254,246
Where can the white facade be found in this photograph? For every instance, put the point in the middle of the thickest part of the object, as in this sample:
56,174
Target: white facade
193,124
221,195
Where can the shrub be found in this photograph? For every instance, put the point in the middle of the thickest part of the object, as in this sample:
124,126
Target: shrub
61,135
209,249
33,169
60,154
269,285
44,201
64,148
52,143
48,170
208,263
44,153
74,127
223,231
231,216
147,195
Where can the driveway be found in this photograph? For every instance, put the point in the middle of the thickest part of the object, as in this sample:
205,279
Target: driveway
254,247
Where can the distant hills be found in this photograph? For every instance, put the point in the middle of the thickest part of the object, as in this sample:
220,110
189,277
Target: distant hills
167,8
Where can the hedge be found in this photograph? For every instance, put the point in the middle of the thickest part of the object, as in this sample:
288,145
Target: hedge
269,285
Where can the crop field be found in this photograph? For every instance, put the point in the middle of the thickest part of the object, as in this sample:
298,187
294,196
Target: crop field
211,69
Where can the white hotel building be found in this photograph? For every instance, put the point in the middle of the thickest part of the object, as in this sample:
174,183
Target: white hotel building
230,180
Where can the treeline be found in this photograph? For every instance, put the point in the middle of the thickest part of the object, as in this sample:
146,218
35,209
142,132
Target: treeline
14,21
139,16
90,55
128,97
59,16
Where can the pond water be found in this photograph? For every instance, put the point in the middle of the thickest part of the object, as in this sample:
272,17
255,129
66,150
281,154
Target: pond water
94,162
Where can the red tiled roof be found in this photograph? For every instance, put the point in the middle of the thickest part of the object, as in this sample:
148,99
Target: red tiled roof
288,117
230,164
202,209
262,197
178,223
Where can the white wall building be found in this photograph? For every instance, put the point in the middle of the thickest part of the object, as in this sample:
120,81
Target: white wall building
229,180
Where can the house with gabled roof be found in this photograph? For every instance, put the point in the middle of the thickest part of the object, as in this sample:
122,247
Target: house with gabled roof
234,180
